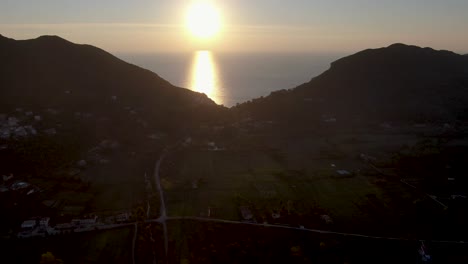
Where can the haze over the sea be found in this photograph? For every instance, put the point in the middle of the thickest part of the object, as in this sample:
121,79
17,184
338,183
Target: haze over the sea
156,26
231,78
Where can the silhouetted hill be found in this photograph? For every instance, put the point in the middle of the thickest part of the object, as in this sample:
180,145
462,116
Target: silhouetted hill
399,83
60,101
52,73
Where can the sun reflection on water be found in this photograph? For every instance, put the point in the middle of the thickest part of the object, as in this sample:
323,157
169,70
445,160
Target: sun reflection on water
204,77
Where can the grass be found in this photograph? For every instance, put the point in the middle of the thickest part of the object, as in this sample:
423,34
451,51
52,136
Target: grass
199,242
287,181
119,185
112,246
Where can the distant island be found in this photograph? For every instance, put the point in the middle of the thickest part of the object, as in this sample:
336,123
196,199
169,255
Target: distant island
365,160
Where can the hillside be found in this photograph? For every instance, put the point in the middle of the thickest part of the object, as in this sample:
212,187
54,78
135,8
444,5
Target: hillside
52,73
398,84
58,100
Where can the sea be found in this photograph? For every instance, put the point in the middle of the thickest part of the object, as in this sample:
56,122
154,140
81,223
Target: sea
230,78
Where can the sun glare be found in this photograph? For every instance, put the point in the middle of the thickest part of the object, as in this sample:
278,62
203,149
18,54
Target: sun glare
203,20
204,77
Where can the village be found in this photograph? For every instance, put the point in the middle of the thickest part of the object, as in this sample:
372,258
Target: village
240,173
41,227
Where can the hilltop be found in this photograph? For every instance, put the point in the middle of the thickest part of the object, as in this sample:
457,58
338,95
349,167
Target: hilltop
399,83
52,73
59,100
83,134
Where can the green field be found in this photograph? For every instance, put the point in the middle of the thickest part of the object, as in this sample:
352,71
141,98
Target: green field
300,183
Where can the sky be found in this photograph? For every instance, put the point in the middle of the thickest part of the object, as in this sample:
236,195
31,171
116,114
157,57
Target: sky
315,26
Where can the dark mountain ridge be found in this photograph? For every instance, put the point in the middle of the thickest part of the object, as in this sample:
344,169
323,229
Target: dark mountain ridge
60,100
399,83
50,72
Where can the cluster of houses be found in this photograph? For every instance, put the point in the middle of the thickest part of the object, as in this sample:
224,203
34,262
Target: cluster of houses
10,184
39,226
10,128
22,125
248,216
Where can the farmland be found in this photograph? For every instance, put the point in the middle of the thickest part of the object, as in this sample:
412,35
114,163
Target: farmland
309,181
113,246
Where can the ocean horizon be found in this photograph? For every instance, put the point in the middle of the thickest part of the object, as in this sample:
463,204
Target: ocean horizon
232,78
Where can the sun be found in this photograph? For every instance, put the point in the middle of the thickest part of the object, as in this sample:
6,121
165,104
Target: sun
203,20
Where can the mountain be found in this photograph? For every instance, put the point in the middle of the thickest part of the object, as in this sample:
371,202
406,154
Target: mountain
52,73
60,102
399,83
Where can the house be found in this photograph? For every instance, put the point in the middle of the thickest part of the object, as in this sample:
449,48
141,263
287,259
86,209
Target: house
246,213
5,134
28,225
212,211
122,218
13,121
20,132
44,222
19,185
50,203
64,228
343,172
7,177
28,229
327,219
85,221
367,158
276,215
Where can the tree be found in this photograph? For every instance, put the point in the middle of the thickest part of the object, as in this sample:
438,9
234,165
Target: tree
49,258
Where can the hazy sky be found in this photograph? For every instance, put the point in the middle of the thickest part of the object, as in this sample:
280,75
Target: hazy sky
249,25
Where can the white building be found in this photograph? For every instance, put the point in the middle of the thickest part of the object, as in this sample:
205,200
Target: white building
28,225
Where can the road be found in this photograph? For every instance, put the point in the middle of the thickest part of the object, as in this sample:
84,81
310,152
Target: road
134,242
202,219
163,212
162,220
157,178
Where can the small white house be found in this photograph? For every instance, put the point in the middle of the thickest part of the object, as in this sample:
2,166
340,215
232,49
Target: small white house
28,225
343,172
44,222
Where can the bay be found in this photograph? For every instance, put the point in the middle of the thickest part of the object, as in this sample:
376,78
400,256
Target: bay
231,78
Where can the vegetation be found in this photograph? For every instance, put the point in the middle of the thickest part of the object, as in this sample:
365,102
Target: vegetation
326,155
49,258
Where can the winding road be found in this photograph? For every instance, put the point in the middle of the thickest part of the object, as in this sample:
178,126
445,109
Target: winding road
134,242
163,212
